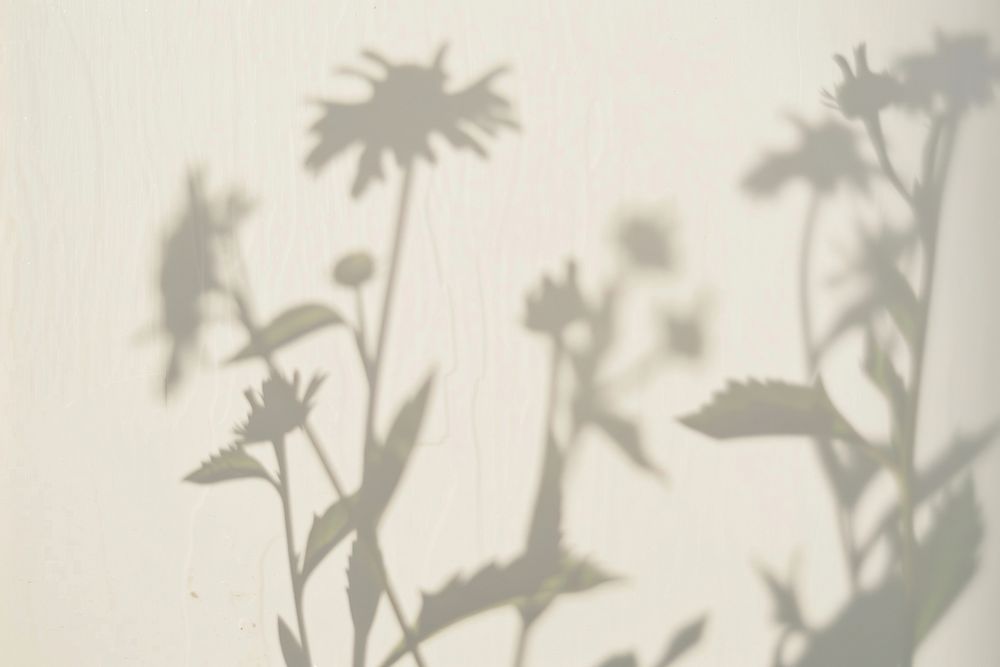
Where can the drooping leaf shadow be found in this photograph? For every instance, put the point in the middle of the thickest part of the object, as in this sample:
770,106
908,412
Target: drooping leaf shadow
894,268
408,104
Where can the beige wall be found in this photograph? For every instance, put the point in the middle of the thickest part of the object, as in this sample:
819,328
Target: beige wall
107,559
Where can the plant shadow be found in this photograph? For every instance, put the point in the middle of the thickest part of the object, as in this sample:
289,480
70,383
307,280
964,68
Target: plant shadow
893,272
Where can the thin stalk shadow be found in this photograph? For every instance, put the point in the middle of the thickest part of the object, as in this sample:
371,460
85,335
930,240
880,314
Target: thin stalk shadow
284,488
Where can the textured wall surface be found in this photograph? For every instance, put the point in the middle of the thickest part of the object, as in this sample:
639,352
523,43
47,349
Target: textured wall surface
108,108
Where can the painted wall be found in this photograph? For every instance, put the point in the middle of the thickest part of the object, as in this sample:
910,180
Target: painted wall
109,559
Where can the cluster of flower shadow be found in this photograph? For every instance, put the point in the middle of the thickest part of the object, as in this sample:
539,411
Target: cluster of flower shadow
203,269
881,625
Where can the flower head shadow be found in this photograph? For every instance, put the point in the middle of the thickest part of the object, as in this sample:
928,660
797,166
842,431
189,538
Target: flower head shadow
826,157
863,93
276,410
407,105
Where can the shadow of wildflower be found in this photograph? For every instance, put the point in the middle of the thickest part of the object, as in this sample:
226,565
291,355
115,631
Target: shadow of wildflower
885,624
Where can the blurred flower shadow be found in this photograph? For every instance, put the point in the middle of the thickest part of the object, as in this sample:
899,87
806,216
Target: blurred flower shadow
555,305
959,73
191,271
582,335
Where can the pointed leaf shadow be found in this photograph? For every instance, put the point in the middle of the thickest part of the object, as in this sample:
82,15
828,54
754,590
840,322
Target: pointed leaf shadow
229,464
290,649
288,327
364,590
683,641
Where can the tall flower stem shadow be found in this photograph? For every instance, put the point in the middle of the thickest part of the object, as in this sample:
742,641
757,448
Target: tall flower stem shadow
298,583
387,301
884,625
556,352
406,107
831,466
